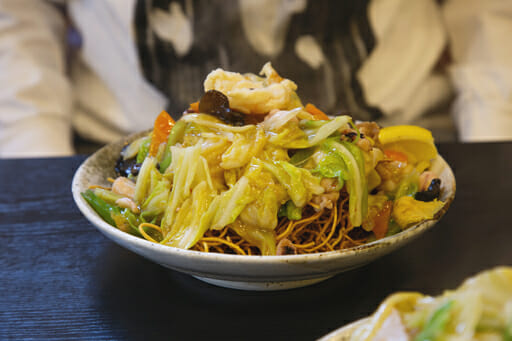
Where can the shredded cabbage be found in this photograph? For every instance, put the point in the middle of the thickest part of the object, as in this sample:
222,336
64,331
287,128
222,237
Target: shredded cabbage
356,179
300,184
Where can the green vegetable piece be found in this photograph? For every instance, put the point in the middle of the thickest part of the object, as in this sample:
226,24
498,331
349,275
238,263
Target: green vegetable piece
507,333
312,124
408,186
297,138
156,202
290,211
99,200
328,129
132,220
295,186
108,196
104,209
175,136
143,151
356,178
301,156
133,148
437,323
363,200
332,166
393,228
282,211
293,212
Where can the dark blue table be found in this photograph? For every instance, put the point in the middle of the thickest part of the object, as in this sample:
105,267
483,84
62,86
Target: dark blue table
61,279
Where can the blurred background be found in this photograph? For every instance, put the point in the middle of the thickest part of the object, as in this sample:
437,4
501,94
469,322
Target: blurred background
77,74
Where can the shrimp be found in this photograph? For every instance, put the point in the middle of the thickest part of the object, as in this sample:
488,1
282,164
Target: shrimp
329,197
128,203
124,186
251,94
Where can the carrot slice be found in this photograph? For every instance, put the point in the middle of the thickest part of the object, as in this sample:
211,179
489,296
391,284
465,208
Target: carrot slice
161,129
194,107
317,113
396,155
381,220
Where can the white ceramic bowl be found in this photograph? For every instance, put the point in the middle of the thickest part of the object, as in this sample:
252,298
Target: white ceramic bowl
245,272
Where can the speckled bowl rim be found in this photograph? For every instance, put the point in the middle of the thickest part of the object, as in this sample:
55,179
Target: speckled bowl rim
107,229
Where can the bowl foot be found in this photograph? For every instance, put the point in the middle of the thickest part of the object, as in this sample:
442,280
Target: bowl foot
261,286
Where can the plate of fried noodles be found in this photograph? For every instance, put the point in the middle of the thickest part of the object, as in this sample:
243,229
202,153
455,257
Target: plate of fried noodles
479,309
252,189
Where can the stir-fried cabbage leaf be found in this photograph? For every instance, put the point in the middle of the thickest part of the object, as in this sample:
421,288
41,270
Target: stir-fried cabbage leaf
143,183
230,203
267,197
315,136
300,184
133,148
214,124
191,223
331,165
262,211
263,239
301,156
243,148
189,169
175,135
156,202
143,149
279,119
356,178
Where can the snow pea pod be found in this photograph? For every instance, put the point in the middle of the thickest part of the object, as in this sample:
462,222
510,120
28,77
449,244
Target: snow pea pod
175,135
104,209
436,325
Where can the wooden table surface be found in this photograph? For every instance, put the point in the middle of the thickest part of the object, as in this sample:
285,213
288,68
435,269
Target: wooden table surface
61,279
